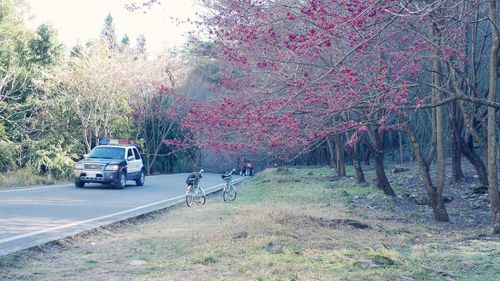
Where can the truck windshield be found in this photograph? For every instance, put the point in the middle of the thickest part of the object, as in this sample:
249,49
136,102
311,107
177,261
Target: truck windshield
108,152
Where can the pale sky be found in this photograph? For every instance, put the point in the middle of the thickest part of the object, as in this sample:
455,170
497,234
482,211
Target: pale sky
83,20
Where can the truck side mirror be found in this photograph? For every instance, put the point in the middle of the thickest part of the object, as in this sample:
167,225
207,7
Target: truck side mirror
130,158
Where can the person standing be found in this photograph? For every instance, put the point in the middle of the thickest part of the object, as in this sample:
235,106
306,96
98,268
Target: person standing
243,167
249,168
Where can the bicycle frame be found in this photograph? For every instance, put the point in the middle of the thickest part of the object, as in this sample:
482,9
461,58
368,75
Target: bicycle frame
228,181
194,192
229,191
228,178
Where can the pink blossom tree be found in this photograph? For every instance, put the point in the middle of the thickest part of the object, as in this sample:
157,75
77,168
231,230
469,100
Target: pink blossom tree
291,71
294,69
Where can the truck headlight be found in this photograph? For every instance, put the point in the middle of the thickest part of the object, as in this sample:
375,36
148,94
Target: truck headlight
112,168
79,166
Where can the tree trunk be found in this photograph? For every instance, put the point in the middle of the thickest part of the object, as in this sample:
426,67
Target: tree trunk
88,141
339,151
326,155
492,163
196,158
467,148
171,161
391,145
431,155
149,164
366,158
401,151
434,195
456,160
382,181
353,151
360,175
440,149
377,149
456,155
476,161
331,152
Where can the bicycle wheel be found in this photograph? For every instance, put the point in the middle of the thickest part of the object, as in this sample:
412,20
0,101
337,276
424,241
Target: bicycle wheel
189,196
229,193
199,196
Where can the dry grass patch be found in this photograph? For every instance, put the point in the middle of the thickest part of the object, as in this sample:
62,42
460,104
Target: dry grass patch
23,178
273,231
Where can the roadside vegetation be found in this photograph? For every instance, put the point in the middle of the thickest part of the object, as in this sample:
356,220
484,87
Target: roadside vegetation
56,100
286,224
23,178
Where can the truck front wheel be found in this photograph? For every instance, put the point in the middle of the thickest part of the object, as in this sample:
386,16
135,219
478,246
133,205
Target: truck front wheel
121,181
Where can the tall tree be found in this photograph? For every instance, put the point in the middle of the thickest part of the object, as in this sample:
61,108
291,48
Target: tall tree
153,100
125,43
76,50
96,88
141,44
108,33
492,97
436,196
47,50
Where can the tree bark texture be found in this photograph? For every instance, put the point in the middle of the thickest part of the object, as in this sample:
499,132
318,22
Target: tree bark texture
431,155
339,151
436,199
440,149
331,151
358,169
491,127
456,155
377,149
467,147
401,149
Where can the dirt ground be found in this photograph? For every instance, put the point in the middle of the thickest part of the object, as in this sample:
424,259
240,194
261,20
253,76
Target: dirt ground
467,202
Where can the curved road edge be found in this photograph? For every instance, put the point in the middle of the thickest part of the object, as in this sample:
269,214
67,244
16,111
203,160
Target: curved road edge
26,241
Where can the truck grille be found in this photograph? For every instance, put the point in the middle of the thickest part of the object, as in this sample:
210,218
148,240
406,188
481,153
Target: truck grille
93,166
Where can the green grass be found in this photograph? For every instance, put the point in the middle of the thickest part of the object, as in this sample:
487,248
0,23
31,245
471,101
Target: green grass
287,218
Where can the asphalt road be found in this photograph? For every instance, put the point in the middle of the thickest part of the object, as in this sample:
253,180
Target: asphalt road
34,216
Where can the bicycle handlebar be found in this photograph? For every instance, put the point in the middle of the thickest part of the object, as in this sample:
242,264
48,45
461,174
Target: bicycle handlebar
228,174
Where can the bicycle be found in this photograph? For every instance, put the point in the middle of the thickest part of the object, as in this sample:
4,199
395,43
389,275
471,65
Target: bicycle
194,192
229,191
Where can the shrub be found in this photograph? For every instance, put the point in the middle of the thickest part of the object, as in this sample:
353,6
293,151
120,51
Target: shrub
8,156
51,159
